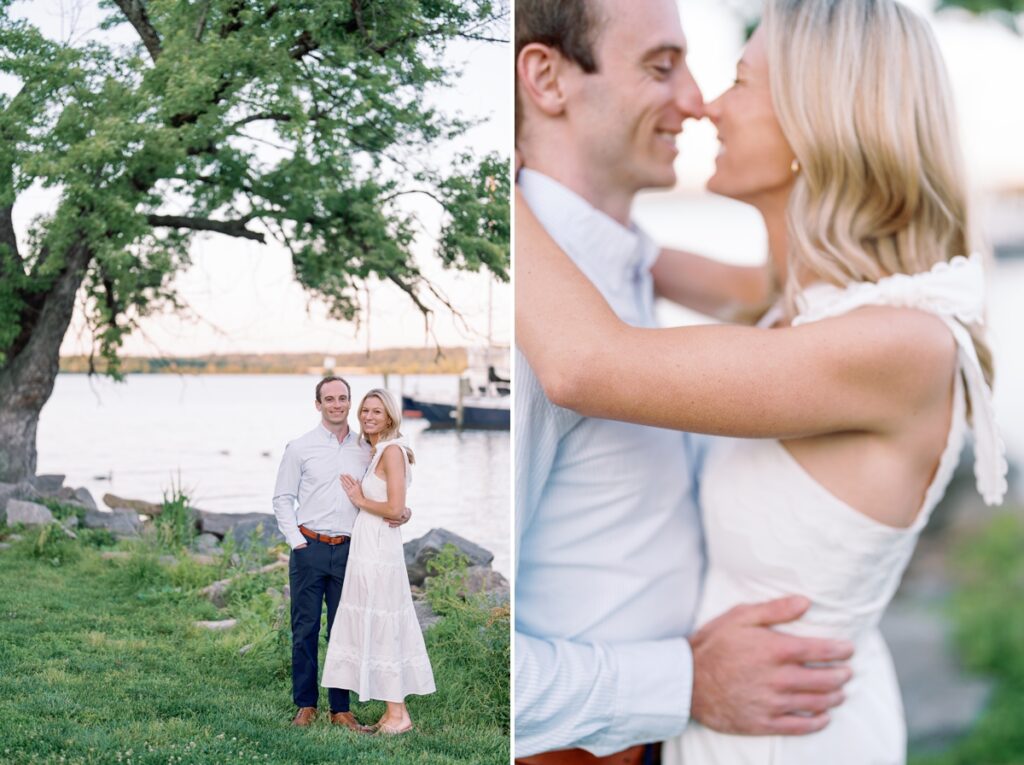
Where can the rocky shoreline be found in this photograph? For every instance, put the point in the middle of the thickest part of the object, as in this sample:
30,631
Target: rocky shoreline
24,503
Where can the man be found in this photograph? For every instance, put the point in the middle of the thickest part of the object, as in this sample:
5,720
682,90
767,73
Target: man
315,516
609,549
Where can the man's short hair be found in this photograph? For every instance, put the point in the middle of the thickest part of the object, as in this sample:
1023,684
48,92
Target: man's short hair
332,378
569,26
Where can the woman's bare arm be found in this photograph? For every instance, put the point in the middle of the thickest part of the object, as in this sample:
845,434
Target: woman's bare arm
864,371
394,476
713,288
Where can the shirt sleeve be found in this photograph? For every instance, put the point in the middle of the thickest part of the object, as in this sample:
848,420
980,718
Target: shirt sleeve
598,696
286,495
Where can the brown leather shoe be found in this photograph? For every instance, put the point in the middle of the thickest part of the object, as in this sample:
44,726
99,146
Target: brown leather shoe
348,720
304,716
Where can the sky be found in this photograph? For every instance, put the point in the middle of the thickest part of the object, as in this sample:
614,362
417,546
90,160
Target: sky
242,296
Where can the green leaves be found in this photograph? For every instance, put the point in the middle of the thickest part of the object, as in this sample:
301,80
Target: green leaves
304,121
477,233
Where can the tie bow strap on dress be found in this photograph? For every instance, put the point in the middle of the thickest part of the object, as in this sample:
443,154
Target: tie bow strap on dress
955,292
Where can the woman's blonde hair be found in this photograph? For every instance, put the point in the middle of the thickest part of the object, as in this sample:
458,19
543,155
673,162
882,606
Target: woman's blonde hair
394,413
862,95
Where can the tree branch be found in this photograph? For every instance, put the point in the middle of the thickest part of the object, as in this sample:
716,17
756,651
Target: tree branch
7,235
408,290
228,227
135,12
425,192
275,116
201,24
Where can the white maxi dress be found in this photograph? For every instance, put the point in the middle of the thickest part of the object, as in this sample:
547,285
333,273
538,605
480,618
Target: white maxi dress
773,530
376,647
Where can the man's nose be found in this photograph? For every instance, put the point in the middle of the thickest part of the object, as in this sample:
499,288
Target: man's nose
689,99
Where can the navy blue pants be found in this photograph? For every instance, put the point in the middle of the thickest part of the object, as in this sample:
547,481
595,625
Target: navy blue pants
315,574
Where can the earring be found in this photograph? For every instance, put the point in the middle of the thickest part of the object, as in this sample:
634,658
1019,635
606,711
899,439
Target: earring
794,166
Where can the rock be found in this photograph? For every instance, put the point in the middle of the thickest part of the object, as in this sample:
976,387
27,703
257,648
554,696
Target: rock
246,648
15,537
29,513
84,498
64,494
224,624
115,555
259,533
481,579
489,582
115,502
206,543
71,522
418,552
7,491
204,560
24,491
49,484
4,546
425,615
167,560
220,523
217,592
28,492
119,522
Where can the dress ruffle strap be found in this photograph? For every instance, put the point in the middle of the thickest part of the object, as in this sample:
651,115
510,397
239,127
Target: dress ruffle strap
954,291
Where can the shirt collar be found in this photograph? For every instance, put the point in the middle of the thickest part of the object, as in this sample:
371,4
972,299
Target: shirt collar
605,248
329,435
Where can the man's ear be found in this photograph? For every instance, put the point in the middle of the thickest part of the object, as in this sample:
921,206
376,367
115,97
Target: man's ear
539,71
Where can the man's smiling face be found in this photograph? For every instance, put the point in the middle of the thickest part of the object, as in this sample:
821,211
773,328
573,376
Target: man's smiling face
628,114
334,402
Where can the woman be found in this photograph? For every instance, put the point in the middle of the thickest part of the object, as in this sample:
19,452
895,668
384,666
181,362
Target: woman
376,647
852,412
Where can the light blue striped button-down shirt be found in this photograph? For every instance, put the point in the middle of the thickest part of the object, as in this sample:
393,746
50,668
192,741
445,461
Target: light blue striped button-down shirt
308,489
608,539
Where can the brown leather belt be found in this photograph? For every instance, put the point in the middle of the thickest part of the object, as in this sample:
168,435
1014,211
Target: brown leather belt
632,756
338,540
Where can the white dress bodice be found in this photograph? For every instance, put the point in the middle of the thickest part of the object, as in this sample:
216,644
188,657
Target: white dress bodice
771,530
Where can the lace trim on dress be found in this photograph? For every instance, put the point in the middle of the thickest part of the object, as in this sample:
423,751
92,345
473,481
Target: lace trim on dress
955,292
393,666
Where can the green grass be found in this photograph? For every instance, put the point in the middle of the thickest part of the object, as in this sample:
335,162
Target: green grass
988,613
99,663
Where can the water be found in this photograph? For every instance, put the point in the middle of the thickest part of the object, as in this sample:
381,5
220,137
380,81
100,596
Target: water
221,438
734,233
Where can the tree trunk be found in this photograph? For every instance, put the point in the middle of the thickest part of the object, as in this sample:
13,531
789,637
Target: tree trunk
27,377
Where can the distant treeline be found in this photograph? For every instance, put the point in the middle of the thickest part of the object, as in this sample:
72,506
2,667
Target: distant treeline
386,360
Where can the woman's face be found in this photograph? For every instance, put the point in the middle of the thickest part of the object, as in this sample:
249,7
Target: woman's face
754,158
373,417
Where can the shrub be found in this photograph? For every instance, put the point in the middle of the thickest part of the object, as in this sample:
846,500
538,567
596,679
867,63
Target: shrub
176,525
447,581
52,544
470,648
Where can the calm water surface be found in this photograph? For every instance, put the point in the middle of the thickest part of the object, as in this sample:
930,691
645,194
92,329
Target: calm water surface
221,437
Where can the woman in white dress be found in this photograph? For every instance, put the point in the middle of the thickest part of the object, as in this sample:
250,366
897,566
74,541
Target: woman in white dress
376,647
848,415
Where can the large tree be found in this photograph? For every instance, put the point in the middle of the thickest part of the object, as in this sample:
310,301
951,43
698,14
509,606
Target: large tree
299,120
